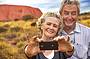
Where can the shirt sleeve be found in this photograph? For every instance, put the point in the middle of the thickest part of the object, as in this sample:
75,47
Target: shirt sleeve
80,50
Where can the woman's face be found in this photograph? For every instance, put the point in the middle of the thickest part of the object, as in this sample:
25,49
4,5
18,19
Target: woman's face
50,26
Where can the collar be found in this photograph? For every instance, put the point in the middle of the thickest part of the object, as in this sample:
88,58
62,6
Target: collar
76,30
51,55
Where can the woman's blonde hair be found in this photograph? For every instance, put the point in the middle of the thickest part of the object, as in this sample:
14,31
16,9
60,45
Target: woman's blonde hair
49,14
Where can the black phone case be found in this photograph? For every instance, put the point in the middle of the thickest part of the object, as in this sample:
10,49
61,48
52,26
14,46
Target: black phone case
52,45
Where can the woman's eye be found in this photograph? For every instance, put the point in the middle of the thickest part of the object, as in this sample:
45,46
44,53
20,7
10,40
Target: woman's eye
48,23
55,26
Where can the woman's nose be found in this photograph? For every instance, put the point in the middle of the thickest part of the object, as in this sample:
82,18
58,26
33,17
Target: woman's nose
51,27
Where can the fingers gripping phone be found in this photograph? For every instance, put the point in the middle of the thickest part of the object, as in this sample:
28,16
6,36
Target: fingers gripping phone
51,45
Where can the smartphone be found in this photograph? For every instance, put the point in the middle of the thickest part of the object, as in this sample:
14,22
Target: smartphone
51,45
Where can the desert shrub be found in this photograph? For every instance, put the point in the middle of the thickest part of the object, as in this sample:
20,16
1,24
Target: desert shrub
20,44
15,29
3,29
28,17
85,22
6,25
16,32
33,24
1,39
10,36
8,51
16,19
31,32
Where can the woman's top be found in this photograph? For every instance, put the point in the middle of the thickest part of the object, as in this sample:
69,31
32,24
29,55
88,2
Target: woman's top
57,55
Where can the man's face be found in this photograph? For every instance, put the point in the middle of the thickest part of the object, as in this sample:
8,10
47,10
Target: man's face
69,14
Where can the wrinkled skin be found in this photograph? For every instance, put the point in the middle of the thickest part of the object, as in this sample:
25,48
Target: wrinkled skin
64,46
33,47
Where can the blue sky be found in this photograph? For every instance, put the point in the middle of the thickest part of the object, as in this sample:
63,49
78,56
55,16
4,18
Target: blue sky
47,5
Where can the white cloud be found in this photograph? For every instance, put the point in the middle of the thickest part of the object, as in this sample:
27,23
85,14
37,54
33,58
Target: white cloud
43,5
50,10
26,1
85,10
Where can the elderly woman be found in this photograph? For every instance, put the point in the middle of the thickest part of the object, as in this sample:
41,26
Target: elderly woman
49,24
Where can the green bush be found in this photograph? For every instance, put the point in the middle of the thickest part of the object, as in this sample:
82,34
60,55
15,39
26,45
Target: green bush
3,29
10,36
16,32
86,22
8,51
27,17
20,44
15,29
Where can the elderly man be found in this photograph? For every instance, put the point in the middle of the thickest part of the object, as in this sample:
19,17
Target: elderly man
79,34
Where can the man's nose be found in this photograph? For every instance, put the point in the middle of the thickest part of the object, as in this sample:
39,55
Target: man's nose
70,16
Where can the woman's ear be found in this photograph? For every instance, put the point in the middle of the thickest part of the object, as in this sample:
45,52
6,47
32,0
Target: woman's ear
41,27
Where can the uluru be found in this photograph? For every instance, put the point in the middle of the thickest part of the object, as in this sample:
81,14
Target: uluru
17,12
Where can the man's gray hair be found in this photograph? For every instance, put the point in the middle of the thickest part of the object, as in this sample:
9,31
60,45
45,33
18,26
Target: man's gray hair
65,2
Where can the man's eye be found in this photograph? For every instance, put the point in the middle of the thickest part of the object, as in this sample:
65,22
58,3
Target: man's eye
74,13
66,13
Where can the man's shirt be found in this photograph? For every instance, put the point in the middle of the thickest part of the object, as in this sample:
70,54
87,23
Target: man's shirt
80,37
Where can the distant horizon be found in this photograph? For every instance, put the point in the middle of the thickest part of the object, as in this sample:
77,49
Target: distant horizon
46,5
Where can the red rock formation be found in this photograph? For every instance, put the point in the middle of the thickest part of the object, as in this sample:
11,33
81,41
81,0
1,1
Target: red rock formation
16,12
